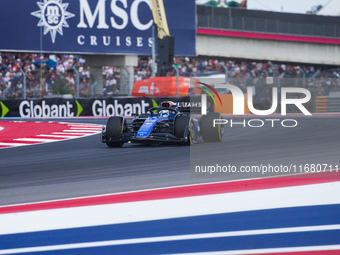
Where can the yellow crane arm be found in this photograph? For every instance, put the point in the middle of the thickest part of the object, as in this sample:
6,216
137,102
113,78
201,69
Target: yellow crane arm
159,17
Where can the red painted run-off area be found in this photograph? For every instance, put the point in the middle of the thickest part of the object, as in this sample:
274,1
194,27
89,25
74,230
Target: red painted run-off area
11,130
17,133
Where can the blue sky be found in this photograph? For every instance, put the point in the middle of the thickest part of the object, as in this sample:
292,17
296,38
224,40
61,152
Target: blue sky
295,6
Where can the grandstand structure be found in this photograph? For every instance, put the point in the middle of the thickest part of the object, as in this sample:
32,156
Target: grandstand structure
224,37
270,36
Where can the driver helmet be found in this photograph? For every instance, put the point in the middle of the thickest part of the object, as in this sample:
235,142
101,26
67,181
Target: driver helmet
164,113
168,104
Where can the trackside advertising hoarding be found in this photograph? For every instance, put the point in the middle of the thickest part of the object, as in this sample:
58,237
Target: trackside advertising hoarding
60,107
93,26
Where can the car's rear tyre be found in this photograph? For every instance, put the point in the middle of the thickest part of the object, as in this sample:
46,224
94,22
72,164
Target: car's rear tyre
210,133
184,128
114,128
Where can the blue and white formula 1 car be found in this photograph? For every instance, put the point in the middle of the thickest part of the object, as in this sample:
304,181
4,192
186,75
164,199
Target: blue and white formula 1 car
168,123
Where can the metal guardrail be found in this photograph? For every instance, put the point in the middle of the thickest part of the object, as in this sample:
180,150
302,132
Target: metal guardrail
127,81
327,104
177,79
24,79
77,82
93,86
333,104
4,92
325,92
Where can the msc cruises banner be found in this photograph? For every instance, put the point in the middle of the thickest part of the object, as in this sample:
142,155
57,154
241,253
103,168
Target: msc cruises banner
92,26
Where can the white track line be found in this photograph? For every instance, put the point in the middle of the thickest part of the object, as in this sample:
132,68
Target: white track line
65,133
70,134
82,125
57,136
87,128
81,130
172,238
14,144
35,140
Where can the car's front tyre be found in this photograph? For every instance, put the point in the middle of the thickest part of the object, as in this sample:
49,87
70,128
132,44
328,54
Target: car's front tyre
114,128
184,128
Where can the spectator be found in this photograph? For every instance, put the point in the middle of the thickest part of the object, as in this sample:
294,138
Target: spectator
41,78
84,88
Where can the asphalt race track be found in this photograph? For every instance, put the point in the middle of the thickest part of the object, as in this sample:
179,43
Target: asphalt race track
86,167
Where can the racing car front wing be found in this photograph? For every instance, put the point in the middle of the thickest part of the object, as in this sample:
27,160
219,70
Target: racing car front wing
153,137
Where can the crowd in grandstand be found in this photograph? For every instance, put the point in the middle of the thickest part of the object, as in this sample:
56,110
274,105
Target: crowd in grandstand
49,75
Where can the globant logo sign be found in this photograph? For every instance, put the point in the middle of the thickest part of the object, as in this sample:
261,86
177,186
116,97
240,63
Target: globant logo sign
239,104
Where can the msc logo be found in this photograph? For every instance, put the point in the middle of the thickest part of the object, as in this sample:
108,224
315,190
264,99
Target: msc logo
53,17
53,14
